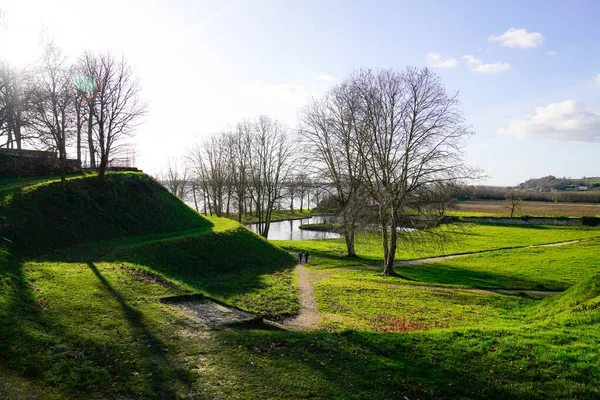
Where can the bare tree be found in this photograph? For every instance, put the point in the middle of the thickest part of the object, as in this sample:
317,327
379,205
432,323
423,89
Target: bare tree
304,183
79,106
210,165
88,85
410,141
15,104
513,199
330,127
52,103
239,142
117,108
270,165
177,180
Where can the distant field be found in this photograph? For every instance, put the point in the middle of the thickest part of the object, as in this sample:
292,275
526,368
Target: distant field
533,208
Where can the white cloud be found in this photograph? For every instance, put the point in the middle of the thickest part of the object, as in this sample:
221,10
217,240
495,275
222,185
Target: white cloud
519,38
437,60
326,77
475,64
565,121
597,80
284,92
552,53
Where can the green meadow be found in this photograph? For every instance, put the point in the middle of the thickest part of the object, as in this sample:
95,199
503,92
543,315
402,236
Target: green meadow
81,314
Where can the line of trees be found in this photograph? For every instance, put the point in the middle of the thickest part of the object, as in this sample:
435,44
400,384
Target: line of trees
56,105
384,146
251,169
500,193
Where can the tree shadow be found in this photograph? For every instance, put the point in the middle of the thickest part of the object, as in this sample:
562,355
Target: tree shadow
356,365
454,274
158,364
223,265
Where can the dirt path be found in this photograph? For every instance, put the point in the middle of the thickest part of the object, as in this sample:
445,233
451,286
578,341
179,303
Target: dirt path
308,317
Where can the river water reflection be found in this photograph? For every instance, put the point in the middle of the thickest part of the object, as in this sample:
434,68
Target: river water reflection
289,230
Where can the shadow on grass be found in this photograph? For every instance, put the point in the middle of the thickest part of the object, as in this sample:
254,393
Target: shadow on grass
358,365
160,368
229,266
35,346
438,273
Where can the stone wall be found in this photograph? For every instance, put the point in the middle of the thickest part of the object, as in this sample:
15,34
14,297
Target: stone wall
19,163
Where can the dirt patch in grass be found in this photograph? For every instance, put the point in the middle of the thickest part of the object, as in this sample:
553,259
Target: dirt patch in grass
385,323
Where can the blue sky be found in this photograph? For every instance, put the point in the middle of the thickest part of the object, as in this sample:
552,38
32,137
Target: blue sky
531,94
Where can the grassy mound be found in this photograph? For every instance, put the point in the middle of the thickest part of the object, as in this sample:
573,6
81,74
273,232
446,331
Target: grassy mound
42,217
580,304
228,263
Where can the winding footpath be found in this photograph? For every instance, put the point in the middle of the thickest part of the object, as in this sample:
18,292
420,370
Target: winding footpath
309,317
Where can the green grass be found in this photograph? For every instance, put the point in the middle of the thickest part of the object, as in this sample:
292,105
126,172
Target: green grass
86,320
41,218
541,268
373,306
468,238
13,183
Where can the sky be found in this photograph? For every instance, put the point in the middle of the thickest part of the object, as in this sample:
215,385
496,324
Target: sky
527,72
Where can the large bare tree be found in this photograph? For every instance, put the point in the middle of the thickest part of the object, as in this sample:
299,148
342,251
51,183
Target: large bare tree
239,143
270,166
210,164
52,103
330,127
88,85
409,144
117,108
15,104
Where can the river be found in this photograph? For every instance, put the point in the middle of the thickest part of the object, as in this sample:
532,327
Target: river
290,230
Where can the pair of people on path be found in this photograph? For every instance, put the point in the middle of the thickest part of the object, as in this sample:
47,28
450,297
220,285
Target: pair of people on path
303,256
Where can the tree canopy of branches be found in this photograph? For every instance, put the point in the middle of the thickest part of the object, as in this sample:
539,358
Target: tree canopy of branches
176,181
330,127
53,102
513,199
117,108
45,104
249,166
395,137
15,96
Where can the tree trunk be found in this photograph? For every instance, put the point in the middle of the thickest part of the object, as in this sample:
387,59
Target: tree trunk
78,117
195,199
91,138
102,169
240,208
389,247
349,236
18,135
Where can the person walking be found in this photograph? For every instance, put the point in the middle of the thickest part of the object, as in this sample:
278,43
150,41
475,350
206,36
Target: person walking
300,255
306,257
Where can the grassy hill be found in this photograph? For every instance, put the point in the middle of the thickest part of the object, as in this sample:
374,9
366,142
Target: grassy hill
72,258
81,313
42,217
